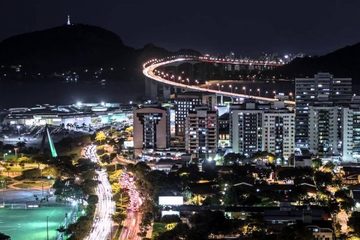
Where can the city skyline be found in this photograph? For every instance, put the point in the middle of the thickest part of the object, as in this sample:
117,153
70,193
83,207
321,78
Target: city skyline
220,127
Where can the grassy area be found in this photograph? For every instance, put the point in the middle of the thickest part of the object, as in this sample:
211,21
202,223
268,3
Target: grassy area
158,228
30,224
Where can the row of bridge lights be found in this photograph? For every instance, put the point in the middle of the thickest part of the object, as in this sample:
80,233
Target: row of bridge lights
219,86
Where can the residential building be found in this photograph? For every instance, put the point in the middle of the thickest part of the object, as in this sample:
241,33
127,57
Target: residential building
321,90
201,136
187,101
331,132
278,131
262,127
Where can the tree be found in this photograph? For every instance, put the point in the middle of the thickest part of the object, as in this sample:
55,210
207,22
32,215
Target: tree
31,173
61,230
316,163
232,158
4,236
21,145
354,223
296,232
100,136
323,179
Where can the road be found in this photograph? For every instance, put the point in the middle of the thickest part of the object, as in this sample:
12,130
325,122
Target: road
105,208
90,153
131,225
150,67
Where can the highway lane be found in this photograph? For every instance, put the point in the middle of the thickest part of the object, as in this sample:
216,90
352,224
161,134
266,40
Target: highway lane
149,71
131,225
105,208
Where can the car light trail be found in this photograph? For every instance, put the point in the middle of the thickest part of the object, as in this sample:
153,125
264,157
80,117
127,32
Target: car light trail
106,207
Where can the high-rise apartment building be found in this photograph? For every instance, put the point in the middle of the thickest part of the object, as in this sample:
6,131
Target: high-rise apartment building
331,132
201,135
183,103
151,129
321,90
262,127
187,101
278,133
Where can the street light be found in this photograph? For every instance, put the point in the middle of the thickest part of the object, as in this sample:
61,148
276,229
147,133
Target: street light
258,90
244,88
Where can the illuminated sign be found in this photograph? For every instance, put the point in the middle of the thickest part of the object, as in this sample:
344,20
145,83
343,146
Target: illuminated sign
165,213
171,200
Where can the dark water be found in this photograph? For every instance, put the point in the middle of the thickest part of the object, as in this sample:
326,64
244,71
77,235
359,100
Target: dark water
18,94
266,88
24,94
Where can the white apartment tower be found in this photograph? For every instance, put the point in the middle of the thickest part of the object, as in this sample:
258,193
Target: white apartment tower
262,127
331,132
201,133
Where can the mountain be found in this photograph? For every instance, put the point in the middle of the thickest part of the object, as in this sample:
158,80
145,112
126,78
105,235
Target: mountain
72,47
64,47
344,62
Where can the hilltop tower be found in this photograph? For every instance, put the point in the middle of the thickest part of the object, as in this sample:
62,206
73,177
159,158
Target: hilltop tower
68,22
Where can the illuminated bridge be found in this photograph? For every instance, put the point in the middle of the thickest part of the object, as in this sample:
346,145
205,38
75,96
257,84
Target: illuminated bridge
166,85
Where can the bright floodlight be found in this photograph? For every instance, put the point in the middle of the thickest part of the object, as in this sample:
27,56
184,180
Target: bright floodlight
79,104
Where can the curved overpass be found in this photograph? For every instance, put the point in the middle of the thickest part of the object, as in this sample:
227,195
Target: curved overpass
150,67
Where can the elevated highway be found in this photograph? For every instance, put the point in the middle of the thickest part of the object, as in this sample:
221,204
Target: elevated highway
149,70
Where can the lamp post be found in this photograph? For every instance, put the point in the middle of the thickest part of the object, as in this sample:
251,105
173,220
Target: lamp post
16,152
47,227
290,95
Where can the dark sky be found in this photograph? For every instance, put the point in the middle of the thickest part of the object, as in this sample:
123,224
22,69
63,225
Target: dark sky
243,26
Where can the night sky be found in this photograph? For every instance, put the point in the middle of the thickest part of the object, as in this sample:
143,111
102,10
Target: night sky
245,27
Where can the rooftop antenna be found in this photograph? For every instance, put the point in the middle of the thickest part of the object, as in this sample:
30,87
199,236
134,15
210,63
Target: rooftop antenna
68,20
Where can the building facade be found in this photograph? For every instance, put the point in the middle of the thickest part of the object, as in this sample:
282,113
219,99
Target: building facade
321,90
151,129
278,131
183,103
188,101
331,133
201,136
255,127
